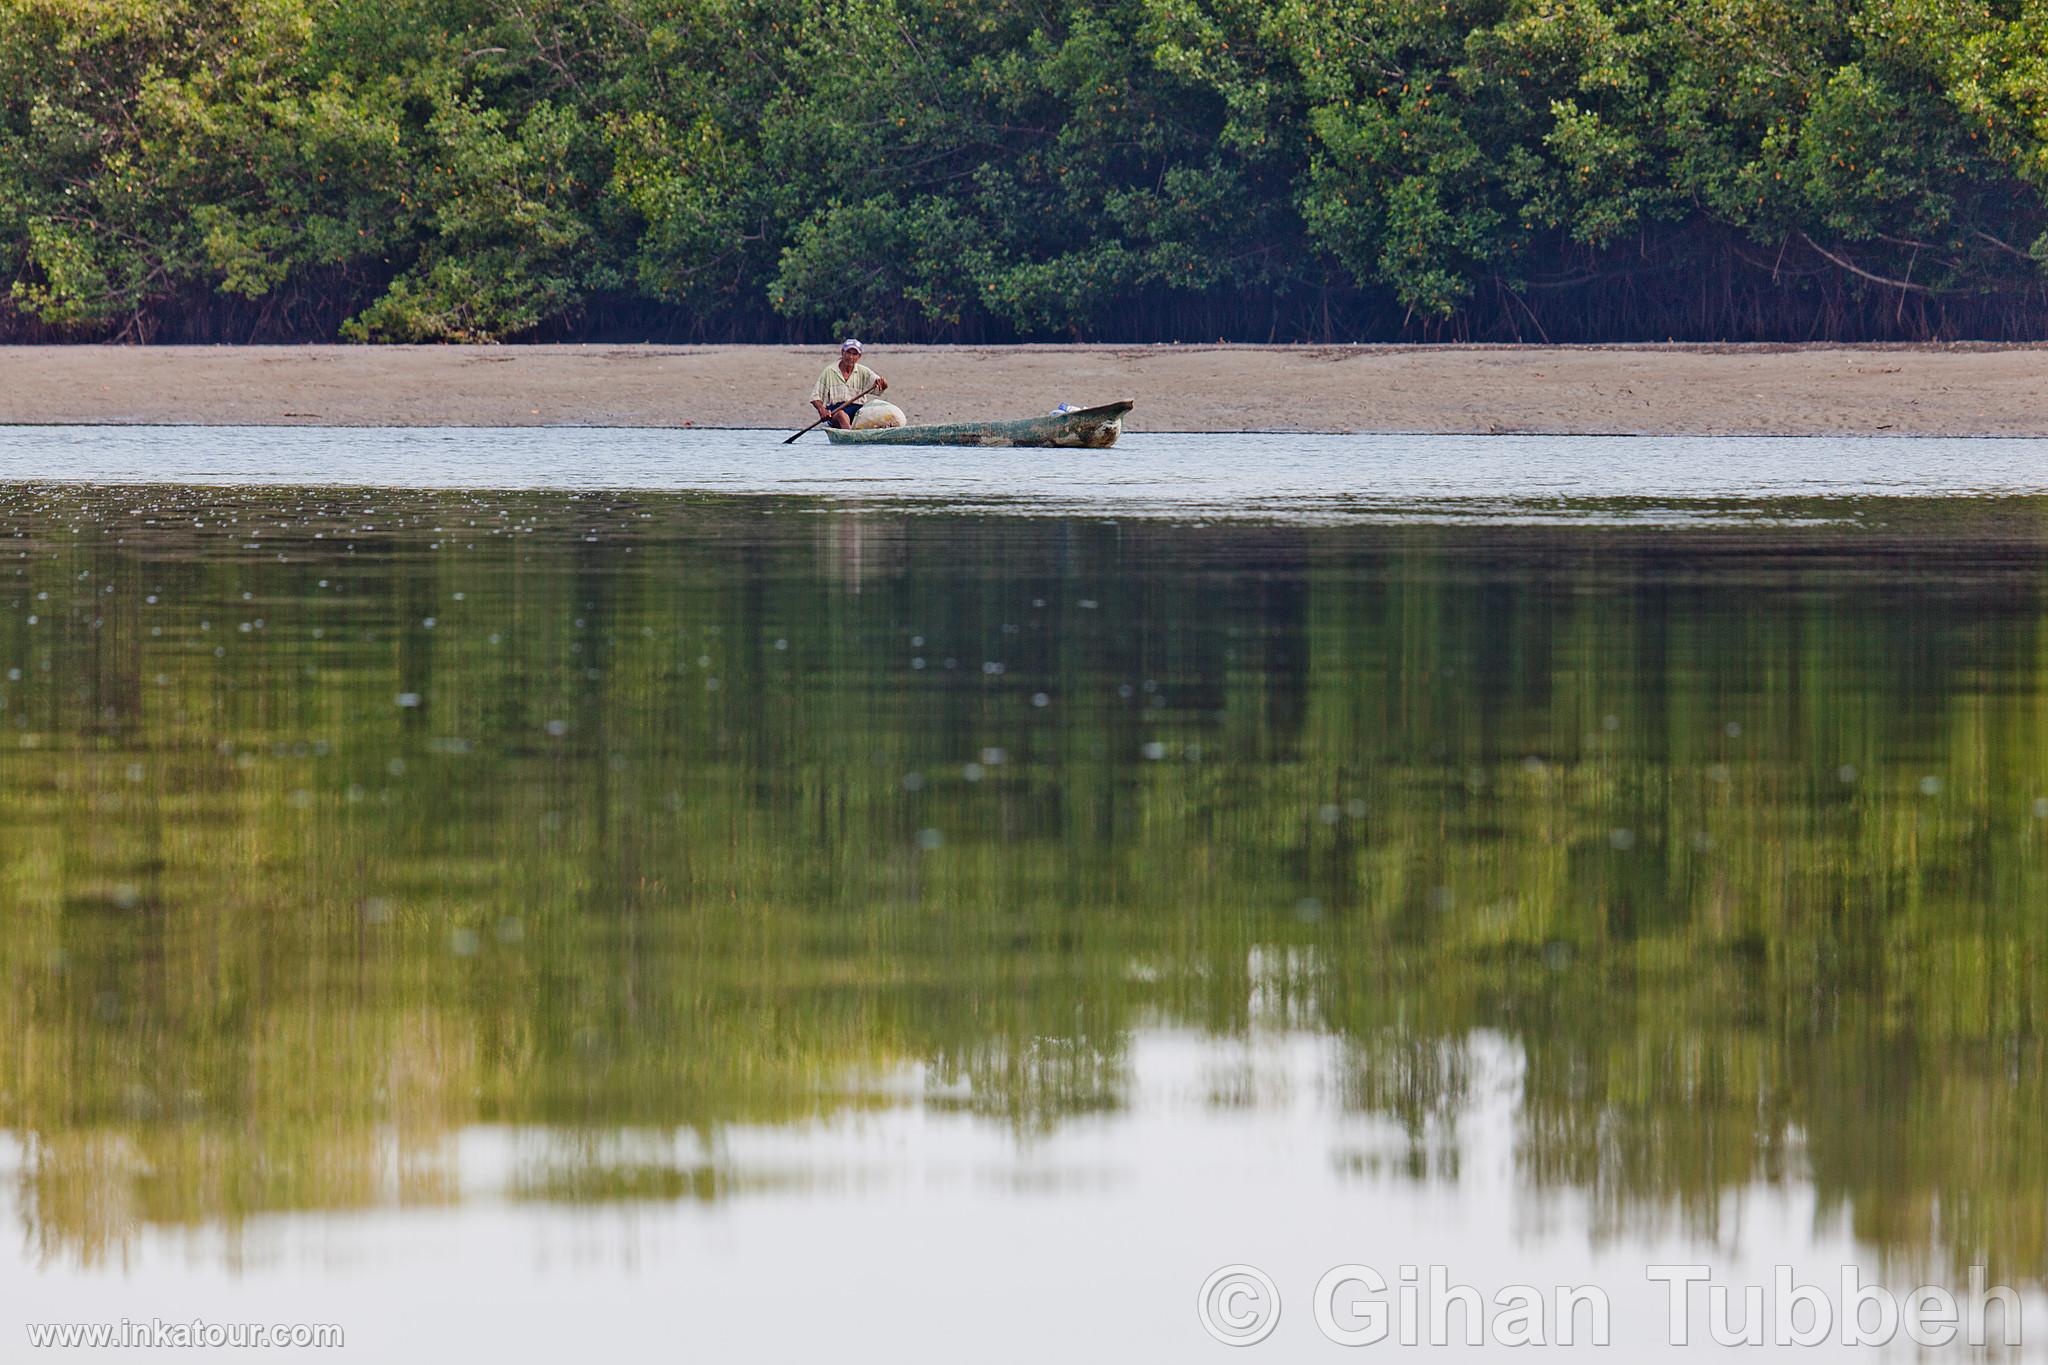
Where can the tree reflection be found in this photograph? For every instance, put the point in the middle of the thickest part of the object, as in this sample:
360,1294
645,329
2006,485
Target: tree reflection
339,822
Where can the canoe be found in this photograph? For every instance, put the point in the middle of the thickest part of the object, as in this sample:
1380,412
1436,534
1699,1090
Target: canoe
1084,428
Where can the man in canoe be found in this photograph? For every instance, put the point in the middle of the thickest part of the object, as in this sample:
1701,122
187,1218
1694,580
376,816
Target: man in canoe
839,389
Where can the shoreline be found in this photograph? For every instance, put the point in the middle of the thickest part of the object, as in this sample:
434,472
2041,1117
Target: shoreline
1669,389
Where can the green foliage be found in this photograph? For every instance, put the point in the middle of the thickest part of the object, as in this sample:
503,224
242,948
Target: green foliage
880,263
507,248
471,170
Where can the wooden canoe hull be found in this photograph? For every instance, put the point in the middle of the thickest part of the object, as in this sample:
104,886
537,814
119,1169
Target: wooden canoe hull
1083,429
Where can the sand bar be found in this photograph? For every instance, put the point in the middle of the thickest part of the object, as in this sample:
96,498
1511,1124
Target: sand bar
1942,390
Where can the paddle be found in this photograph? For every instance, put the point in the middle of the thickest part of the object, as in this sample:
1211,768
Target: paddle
832,409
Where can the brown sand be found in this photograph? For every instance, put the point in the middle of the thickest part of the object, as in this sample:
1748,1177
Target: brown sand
1959,390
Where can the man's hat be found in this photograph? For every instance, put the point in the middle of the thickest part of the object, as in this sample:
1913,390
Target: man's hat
850,344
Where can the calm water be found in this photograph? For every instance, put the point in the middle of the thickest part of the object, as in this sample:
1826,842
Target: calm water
898,924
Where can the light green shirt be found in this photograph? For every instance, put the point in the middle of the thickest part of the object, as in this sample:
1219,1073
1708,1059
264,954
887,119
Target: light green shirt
833,388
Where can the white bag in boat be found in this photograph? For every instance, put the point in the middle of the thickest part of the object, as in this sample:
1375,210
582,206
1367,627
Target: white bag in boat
878,414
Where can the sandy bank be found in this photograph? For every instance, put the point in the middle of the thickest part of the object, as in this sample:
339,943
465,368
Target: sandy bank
1964,390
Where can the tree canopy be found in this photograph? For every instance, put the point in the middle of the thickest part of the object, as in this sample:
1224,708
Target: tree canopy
471,170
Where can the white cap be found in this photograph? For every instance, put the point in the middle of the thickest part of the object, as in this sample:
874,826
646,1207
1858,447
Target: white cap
850,344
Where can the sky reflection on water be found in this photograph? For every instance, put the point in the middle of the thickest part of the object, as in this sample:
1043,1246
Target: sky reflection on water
1636,479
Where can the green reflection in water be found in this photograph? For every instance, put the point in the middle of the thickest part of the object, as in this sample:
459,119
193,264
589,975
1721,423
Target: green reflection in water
337,822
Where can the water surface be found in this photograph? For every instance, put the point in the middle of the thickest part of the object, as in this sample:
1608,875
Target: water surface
1182,477
814,925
